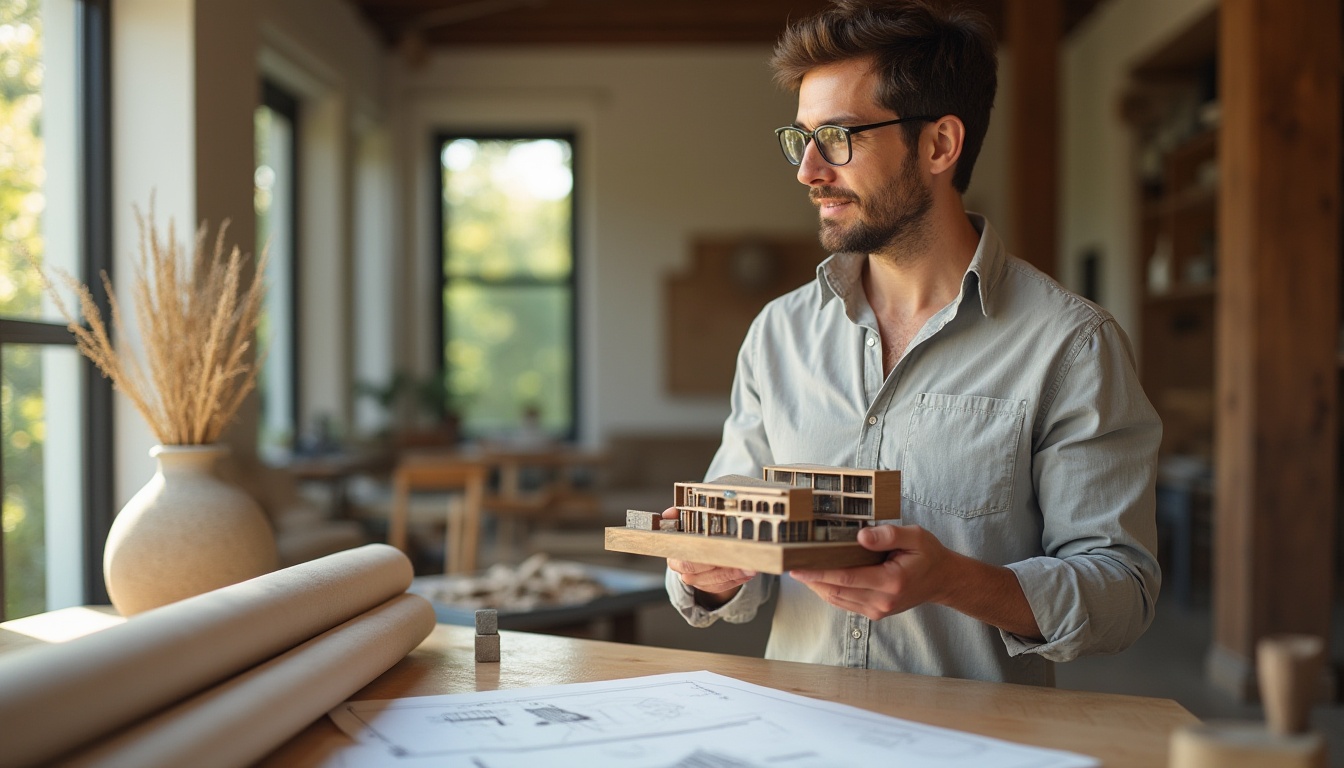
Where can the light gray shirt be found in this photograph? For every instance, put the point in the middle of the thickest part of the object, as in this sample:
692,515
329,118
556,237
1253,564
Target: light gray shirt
1023,438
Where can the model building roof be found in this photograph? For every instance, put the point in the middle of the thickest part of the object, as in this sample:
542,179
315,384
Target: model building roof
740,480
822,468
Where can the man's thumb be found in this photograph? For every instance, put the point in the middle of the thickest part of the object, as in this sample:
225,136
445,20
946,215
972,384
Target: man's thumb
880,538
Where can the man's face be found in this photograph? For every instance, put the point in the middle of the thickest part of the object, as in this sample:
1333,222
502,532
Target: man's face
879,200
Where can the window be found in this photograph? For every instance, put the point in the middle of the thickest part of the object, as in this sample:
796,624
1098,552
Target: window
55,411
276,202
508,283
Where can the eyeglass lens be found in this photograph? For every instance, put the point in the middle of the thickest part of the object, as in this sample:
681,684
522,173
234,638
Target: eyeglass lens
832,141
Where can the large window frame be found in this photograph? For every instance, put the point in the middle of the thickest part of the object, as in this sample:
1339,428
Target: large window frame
571,283
95,245
285,104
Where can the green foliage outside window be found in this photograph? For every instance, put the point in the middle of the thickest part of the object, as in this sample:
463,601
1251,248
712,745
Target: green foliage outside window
22,417
508,263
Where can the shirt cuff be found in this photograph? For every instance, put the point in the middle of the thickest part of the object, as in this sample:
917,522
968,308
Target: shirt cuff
741,609
1052,591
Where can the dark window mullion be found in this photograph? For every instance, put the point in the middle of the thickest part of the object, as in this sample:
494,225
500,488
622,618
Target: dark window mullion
33,332
96,243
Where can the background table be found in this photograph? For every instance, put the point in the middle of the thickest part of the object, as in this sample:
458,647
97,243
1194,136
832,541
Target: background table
627,591
1123,731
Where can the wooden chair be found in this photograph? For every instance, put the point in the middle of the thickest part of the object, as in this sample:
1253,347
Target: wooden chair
441,472
548,497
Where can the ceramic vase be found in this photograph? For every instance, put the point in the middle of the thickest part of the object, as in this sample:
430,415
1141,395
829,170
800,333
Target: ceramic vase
185,533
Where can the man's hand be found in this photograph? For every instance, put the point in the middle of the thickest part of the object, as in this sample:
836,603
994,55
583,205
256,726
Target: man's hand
914,573
918,570
713,585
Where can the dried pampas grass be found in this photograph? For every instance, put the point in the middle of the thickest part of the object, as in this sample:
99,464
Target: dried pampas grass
198,322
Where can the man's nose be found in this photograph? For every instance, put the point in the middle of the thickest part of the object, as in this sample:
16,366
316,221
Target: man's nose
814,170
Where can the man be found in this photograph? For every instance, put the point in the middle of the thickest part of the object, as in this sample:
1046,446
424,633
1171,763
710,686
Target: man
1012,407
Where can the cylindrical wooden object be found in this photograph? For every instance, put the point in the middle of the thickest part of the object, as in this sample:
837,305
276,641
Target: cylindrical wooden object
1289,670
1243,745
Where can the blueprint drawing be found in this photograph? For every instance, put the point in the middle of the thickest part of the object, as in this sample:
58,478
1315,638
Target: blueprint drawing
683,720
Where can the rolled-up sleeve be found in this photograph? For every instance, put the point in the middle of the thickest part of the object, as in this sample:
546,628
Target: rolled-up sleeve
741,609
1094,466
743,450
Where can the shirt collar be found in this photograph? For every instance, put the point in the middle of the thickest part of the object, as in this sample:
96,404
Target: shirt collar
841,274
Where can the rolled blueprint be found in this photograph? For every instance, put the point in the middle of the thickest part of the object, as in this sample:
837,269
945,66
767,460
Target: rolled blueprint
240,720
58,697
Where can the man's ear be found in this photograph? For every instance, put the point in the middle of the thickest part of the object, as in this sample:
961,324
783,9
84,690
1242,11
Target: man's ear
945,138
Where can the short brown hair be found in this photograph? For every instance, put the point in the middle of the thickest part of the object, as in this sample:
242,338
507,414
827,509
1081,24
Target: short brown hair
931,59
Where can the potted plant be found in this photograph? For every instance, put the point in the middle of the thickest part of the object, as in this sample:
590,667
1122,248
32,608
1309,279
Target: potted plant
187,531
423,412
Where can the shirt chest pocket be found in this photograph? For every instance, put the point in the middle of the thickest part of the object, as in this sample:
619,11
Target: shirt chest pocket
961,453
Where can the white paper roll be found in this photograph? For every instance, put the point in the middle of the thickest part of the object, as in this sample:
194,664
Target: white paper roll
240,720
56,698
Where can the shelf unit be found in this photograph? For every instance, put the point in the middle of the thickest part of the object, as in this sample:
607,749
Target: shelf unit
1173,111
1174,114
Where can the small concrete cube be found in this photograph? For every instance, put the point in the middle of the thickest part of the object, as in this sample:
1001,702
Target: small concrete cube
644,521
669,525
487,648
487,621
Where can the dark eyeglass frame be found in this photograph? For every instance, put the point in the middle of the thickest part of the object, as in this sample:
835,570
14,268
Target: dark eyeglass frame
847,132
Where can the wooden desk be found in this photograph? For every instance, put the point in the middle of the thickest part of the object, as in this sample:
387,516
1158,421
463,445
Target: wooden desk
1123,731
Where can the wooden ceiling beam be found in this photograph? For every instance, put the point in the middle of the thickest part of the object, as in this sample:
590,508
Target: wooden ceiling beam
616,22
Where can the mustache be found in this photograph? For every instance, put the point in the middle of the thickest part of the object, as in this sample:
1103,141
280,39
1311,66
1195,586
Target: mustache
831,193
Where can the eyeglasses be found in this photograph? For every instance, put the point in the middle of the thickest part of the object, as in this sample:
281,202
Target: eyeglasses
832,140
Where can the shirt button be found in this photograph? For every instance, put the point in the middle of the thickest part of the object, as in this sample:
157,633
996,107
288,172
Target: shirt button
871,341
872,419
856,634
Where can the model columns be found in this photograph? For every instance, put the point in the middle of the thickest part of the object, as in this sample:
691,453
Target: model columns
1278,315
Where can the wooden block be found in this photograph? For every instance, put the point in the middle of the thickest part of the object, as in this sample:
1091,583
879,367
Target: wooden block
643,521
487,648
669,525
487,621
763,556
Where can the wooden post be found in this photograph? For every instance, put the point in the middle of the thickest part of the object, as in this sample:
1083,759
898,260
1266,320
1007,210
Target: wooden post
1033,29
1278,315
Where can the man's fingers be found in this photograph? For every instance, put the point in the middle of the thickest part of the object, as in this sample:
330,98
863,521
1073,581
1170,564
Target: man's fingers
688,568
865,602
860,577
710,573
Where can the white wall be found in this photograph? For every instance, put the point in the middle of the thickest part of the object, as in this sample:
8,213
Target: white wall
673,143
326,55
1099,187
183,82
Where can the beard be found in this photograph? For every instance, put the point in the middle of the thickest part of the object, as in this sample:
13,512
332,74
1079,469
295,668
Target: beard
894,216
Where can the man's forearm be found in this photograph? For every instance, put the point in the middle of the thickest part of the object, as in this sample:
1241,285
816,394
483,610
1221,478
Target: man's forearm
992,594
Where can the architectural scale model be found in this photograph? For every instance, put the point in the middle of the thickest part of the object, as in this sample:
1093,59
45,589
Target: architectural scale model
794,516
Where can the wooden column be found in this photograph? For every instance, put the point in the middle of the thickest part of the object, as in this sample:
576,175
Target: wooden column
1033,29
1278,315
